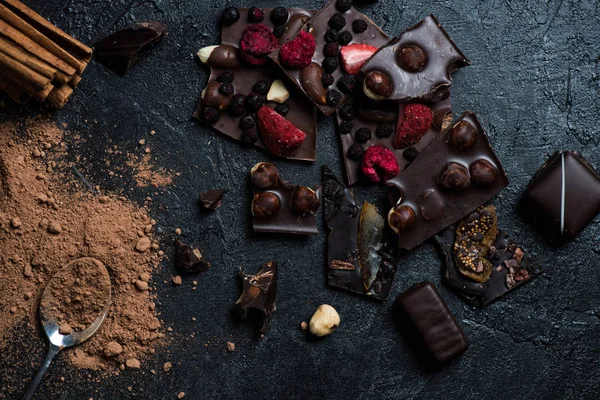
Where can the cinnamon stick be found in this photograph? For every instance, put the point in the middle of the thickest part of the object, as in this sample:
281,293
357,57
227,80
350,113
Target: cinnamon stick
16,85
34,48
60,95
29,79
15,92
18,23
19,54
57,35
75,81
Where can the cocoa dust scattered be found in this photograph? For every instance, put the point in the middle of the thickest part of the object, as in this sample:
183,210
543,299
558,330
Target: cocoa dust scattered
48,219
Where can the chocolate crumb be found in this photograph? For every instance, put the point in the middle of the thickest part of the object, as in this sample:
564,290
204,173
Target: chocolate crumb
167,366
177,280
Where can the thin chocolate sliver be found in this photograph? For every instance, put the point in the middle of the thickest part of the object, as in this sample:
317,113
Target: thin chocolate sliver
189,259
259,295
121,50
211,199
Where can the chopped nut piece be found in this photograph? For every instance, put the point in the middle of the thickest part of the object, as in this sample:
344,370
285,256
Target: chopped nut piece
341,265
177,280
230,347
324,321
167,366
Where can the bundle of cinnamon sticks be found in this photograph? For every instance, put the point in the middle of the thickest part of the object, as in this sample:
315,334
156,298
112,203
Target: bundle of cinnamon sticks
37,59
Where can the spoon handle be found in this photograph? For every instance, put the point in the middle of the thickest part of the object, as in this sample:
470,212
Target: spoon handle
52,351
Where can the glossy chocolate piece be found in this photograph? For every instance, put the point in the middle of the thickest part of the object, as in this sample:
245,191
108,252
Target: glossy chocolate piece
189,259
512,266
258,296
342,217
286,219
121,50
435,206
563,197
397,59
319,24
302,112
211,199
427,320
373,113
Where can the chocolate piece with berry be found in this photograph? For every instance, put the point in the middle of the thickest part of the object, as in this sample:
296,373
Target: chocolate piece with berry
339,39
243,81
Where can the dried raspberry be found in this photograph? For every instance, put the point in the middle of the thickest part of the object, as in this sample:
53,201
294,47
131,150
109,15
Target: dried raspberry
362,135
333,97
344,38
359,25
254,101
355,152
348,83
327,79
282,109
415,123
279,15
331,49
255,14
298,52
345,127
210,114
236,105
256,43
379,164
247,121
279,135
337,21
332,35
225,76
330,64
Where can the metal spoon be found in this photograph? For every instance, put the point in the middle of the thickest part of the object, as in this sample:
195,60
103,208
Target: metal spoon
58,341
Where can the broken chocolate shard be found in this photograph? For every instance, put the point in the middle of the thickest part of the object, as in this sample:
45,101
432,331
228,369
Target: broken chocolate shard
121,50
188,259
259,294
419,63
563,197
428,323
356,246
211,199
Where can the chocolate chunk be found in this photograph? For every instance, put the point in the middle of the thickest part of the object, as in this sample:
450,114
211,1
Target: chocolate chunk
428,323
325,33
259,295
311,81
121,50
280,206
419,62
510,265
439,207
212,199
563,197
189,259
356,244
300,110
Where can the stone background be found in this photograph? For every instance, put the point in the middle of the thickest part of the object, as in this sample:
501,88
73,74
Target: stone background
535,85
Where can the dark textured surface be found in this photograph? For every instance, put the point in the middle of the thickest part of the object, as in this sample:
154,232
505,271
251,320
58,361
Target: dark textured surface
535,85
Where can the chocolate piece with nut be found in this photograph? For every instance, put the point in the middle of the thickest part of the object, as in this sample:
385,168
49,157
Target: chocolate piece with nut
509,264
417,65
258,295
189,259
282,207
359,258
440,186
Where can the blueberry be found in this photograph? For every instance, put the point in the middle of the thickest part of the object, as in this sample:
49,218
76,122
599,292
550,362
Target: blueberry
254,101
230,15
247,121
332,35
359,25
333,97
345,127
282,109
279,15
410,154
210,114
261,87
355,152
330,64
348,83
249,136
236,105
226,89
331,49
345,38
384,131
279,30
343,5
225,76
362,135
347,112
327,79
337,21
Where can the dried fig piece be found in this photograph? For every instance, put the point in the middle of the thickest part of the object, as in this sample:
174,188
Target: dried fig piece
370,234
474,236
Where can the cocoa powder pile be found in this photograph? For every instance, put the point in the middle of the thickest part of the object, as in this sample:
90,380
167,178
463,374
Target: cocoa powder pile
48,219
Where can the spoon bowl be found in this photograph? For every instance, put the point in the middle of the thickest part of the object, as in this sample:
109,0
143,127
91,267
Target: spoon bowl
51,325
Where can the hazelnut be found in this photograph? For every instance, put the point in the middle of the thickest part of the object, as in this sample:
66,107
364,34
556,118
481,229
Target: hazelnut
483,173
462,135
265,205
411,58
455,176
304,200
401,218
378,85
212,97
324,321
264,175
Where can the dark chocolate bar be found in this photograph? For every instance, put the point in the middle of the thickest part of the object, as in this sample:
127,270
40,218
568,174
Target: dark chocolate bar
426,319
455,175
231,118
416,65
279,206
505,264
375,123
338,29
259,295
357,260
563,197
121,50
